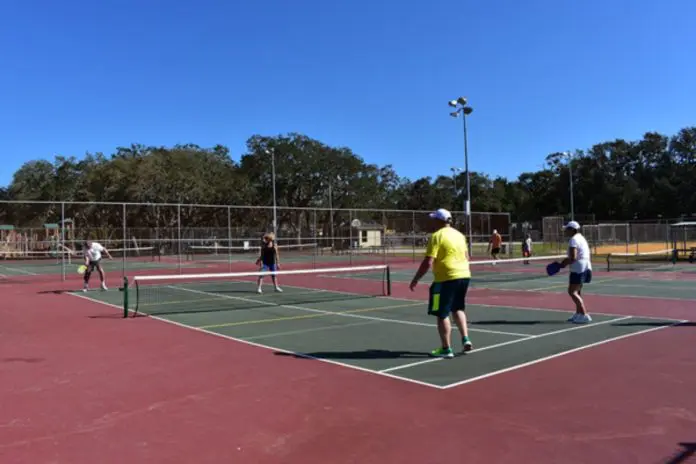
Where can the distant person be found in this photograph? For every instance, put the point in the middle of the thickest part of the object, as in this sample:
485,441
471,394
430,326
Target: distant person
580,270
269,260
527,247
448,255
93,256
494,244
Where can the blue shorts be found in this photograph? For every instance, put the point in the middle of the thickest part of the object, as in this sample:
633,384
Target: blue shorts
269,267
447,297
579,278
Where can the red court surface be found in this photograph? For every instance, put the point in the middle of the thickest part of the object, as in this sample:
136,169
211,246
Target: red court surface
82,385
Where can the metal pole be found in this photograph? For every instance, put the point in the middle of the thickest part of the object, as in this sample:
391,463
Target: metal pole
572,200
331,218
178,228
63,249
467,205
229,237
275,219
125,241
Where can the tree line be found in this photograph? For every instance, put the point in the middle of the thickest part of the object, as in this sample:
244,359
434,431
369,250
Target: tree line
615,180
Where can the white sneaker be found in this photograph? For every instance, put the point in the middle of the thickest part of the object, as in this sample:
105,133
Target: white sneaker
85,289
573,317
104,287
258,290
278,289
582,319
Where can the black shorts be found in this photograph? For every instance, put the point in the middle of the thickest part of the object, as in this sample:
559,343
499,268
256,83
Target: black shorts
579,278
92,265
447,297
495,251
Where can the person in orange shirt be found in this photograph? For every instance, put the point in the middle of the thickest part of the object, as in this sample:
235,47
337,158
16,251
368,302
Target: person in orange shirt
494,244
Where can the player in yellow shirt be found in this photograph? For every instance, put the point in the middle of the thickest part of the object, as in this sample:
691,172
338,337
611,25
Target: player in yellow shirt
448,255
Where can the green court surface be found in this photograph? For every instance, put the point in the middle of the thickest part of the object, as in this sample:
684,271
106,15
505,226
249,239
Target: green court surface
383,335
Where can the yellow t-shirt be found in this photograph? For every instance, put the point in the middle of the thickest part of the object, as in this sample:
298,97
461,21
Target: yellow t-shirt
449,249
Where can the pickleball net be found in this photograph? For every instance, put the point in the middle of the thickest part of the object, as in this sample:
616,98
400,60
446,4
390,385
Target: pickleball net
647,261
208,293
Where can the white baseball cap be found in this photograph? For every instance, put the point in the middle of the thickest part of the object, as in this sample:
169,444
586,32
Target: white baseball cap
441,214
572,225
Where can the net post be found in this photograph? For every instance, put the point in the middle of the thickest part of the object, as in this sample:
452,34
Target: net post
125,297
388,270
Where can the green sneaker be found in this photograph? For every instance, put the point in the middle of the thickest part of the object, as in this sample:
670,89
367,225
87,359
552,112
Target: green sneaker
466,344
442,353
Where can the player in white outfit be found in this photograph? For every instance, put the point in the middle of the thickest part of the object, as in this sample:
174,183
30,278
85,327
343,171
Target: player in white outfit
580,270
93,257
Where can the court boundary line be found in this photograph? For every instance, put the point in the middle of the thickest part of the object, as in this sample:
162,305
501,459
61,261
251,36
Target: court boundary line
268,347
19,269
342,313
562,353
388,374
611,295
485,305
512,342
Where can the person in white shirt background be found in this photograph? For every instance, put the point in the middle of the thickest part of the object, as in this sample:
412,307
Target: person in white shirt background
93,257
580,270
527,247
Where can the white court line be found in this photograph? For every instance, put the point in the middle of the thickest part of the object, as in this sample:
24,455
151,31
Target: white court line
557,355
498,345
530,308
617,295
268,347
370,371
332,313
503,306
12,270
565,284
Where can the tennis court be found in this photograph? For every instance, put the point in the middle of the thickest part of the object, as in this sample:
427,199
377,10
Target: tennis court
220,370
350,316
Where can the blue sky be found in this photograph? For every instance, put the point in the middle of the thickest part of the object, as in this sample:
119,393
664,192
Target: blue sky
542,76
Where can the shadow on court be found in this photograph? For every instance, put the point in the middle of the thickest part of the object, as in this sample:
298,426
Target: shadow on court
364,354
688,451
653,324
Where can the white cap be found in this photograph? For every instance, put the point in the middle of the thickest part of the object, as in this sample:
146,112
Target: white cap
572,225
441,214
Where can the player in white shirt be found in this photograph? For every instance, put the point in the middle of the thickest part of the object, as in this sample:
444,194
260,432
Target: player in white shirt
580,270
93,257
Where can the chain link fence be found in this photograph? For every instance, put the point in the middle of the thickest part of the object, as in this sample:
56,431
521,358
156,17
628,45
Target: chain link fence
40,238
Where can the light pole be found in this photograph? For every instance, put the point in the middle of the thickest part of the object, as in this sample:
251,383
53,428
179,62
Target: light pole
569,155
273,180
461,107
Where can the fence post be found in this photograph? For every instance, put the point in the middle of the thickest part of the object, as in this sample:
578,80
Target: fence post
63,249
178,229
125,241
229,238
